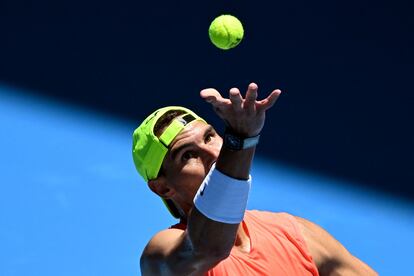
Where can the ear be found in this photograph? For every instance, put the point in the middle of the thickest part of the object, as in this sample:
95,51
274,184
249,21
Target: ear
160,187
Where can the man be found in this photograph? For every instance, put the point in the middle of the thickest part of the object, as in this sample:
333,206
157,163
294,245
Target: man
204,181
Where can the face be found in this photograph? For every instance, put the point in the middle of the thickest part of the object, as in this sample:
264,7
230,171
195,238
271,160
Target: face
188,161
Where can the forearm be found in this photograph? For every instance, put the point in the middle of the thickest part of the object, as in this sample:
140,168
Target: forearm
216,238
235,164
211,240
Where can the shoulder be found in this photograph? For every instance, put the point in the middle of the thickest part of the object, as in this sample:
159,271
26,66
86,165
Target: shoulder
162,241
159,248
322,246
330,255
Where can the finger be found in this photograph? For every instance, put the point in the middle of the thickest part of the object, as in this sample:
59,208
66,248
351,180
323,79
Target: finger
251,96
210,95
214,97
269,101
236,99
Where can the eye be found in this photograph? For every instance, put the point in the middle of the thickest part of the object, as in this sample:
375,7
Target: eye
208,138
187,156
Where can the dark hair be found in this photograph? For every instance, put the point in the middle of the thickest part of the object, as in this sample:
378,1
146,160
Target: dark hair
165,120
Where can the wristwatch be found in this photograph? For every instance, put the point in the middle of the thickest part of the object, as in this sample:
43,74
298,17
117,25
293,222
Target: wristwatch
235,142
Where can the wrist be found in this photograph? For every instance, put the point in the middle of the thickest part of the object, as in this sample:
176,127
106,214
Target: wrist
235,164
222,198
236,141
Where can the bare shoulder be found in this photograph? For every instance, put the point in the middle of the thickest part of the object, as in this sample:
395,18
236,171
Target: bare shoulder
330,256
163,241
158,249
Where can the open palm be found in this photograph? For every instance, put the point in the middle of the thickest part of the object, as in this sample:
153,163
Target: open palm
245,116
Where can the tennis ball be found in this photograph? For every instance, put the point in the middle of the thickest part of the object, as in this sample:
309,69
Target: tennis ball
226,32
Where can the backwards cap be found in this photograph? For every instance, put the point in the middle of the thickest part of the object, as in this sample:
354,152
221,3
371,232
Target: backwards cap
148,151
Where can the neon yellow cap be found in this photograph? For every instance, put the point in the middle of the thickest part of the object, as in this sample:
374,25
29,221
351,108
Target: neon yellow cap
148,151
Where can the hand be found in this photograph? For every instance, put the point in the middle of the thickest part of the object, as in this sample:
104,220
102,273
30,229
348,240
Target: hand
245,116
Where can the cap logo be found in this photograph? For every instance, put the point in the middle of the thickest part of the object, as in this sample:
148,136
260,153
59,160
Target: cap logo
186,119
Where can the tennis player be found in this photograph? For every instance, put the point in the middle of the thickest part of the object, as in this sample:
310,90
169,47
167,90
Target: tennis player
204,180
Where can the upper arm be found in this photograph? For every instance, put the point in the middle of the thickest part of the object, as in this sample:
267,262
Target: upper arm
330,256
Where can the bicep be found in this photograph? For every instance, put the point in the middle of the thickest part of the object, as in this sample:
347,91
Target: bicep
330,256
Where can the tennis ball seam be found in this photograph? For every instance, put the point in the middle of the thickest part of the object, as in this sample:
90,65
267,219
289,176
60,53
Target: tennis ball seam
228,34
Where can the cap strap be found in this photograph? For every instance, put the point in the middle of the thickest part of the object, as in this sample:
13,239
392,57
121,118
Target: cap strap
174,128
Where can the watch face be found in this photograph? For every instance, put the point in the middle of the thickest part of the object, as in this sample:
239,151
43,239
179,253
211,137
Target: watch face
233,142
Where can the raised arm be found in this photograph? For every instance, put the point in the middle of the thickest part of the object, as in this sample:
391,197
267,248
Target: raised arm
207,241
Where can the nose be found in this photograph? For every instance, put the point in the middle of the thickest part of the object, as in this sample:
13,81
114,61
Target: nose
209,155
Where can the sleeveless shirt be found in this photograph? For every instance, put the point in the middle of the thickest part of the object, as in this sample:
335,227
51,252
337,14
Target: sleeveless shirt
277,248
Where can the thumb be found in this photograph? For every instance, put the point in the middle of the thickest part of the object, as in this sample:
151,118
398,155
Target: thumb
210,95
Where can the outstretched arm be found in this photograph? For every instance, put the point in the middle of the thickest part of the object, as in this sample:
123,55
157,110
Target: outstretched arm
329,255
206,242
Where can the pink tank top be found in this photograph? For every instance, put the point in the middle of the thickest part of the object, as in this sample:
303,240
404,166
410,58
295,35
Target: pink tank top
277,248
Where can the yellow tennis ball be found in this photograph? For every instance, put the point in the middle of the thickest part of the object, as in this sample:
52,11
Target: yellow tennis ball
226,32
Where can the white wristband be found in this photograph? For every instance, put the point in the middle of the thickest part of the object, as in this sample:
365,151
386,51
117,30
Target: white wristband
222,198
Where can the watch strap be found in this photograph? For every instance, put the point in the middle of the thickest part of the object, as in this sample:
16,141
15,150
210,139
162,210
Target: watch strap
235,142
